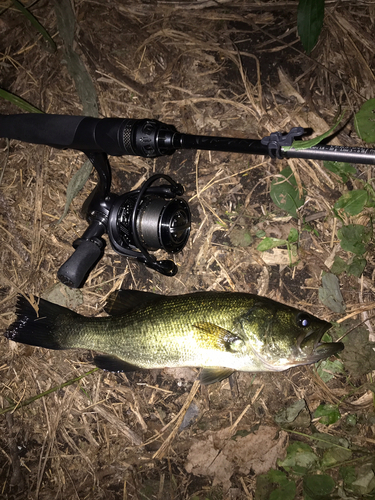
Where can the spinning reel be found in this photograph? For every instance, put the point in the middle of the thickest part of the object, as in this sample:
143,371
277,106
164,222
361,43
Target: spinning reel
154,216
147,219
138,222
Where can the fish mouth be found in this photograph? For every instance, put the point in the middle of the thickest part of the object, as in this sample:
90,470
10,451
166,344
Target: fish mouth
301,355
318,350
325,350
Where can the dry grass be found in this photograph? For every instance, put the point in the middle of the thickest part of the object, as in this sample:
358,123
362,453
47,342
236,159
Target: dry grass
219,68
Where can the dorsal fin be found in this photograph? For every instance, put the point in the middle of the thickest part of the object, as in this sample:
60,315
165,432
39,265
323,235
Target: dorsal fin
122,301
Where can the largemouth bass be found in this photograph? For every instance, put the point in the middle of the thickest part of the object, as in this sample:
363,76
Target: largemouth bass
218,331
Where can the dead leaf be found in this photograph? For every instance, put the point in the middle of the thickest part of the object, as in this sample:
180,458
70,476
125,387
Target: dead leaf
278,256
218,454
330,293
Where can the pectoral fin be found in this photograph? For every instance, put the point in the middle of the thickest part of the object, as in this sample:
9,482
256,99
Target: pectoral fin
218,337
113,364
214,374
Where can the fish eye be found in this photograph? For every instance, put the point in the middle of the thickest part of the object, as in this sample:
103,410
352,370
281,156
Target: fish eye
303,320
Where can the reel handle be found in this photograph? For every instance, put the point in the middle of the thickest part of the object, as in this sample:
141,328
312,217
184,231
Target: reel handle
74,271
165,267
88,251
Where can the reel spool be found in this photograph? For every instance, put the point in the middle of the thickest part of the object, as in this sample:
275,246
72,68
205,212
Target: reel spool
150,219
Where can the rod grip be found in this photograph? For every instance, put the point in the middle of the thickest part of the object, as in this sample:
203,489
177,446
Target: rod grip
39,128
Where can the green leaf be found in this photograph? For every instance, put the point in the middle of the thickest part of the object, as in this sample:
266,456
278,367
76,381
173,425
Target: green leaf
330,294
365,482
318,485
263,488
299,457
340,168
353,238
327,369
352,202
329,414
339,265
260,233
18,101
36,24
348,475
277,476
364,121
326,337
266,486
293,235
269,243
326,441
351,420
357,266
310,17
240,237
284,192
334,456
288,415
313,142
285,491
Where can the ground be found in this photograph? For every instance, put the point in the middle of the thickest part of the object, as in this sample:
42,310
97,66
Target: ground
230,69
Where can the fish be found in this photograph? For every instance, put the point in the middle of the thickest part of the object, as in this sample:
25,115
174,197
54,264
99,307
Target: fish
220,332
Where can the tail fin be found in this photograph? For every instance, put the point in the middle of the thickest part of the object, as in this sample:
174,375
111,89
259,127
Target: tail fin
42,328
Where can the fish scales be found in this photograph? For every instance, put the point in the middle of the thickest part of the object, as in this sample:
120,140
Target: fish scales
217,331
153,336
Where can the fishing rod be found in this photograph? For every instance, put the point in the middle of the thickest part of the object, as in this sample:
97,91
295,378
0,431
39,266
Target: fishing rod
154,216
152,138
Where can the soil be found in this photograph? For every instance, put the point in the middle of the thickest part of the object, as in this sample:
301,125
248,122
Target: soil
229,69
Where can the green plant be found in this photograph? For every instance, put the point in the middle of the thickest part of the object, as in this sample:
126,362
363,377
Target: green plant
354,237
36,24
268,243
19,102
310,469
284,192
310,17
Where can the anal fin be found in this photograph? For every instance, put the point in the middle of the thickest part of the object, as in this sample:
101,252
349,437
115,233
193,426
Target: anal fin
113,364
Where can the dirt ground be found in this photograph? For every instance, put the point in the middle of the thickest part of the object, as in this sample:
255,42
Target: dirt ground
224,68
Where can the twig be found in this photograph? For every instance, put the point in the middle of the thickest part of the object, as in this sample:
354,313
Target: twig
17,477
314,438
354,327
133,437
15,406
163,448
5,162
246,490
